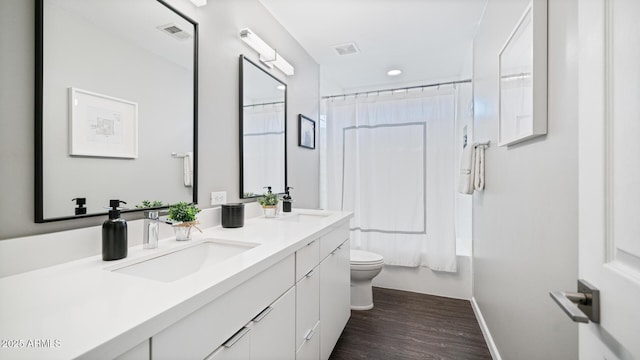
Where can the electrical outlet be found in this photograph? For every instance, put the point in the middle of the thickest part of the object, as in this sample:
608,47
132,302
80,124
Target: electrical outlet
218,197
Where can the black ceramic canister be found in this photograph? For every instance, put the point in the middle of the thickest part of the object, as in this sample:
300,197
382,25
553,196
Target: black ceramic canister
232,215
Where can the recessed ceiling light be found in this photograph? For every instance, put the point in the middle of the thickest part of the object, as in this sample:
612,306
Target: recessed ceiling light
394,72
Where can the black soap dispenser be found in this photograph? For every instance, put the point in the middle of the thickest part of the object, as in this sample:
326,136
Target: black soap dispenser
114,234
286,200
80,203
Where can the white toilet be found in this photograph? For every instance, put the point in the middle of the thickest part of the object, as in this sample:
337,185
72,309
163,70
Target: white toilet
365,266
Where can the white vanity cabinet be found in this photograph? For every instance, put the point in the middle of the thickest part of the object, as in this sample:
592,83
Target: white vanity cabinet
296,309
335,297
323,293
199,334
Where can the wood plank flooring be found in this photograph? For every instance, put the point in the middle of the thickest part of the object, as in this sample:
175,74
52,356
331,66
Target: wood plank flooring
406,325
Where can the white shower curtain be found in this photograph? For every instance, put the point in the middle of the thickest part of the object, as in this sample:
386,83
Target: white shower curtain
389,158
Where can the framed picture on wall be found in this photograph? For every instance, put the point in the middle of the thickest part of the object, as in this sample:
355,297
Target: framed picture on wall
523,78
102,126
306,132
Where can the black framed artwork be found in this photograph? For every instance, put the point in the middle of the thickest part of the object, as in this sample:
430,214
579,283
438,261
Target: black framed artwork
306,132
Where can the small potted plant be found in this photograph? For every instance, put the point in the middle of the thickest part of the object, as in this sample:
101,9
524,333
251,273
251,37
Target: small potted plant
269,202
184,214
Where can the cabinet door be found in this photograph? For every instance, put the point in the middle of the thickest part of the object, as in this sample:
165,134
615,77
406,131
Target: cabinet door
335,297
310,348
238,347
307,305
273,330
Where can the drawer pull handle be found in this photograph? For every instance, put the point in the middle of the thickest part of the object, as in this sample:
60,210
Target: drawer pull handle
310,273
311,242
309,334
263,314
236,337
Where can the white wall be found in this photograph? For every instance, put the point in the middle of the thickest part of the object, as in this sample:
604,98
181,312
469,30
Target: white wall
525,222
219,47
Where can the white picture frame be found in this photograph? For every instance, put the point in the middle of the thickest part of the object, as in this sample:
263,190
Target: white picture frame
522,64
102,126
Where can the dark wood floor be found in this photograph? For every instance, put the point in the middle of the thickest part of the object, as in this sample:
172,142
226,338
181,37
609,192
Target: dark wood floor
405,325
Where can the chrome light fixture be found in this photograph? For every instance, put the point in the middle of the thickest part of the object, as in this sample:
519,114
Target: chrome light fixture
268,56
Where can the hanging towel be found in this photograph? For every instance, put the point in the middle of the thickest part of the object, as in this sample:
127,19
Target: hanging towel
188,169
465,182
478,168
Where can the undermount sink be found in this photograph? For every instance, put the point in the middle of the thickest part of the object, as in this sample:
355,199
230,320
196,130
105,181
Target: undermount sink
176,264
303,217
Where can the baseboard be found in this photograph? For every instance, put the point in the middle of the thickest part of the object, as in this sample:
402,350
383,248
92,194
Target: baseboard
493,349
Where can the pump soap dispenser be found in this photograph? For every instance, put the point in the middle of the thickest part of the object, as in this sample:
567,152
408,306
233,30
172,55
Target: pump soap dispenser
286,200
114,234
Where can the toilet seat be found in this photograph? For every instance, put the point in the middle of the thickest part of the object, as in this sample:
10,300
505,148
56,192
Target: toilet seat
361,257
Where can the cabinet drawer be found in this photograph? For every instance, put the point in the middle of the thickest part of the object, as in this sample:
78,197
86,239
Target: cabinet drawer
307,304
238,347
332,240
307,258
201,332
273,330
310,348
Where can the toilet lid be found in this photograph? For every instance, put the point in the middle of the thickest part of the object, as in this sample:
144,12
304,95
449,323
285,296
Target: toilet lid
365,257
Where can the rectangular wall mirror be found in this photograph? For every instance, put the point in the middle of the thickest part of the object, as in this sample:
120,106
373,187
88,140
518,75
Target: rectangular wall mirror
263,131
116,106
523,78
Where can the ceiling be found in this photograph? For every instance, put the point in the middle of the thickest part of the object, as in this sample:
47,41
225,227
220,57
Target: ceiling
429,40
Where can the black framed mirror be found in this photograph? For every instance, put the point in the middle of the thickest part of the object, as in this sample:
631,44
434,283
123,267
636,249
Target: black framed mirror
116,112
263,131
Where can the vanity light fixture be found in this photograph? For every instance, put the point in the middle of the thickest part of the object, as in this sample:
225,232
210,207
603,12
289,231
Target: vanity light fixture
199,3
268,56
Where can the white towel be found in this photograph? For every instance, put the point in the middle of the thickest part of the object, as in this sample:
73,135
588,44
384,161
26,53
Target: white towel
465,182
478,168
188,169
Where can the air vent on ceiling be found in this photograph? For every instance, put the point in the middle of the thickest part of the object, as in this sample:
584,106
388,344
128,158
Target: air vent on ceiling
175,31
346,49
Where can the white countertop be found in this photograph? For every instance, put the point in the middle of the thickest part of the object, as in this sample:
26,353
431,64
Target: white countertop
82,309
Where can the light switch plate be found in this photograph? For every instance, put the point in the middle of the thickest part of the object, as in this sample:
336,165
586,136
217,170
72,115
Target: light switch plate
218,197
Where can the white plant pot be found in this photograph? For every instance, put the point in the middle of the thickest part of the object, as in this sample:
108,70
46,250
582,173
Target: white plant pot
270,211
183,233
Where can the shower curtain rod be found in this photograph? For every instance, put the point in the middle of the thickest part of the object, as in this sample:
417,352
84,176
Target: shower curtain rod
398,89
265,104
